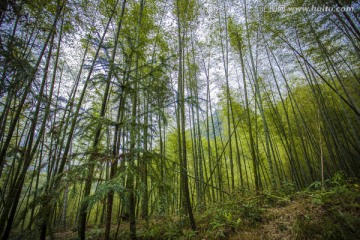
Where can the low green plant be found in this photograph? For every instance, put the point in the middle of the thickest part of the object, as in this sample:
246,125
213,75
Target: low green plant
340,211
161,229
222,219
305,228
189,234
338,179
95,233
251,213
288,187
274,199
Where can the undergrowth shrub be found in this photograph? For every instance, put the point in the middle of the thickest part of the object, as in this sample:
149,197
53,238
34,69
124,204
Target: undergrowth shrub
340,211
305,228
222,219
288,187
166,228
274,199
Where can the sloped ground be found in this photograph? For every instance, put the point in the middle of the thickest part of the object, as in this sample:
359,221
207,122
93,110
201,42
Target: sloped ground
312,214
320,215
282,222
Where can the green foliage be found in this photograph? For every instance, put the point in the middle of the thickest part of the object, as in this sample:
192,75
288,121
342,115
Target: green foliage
219,220
27,235
236,35
338,179
189,234
103,189
107,7
95,233
275,199
288,187
340,208
187,11
163,227
316,185
304,229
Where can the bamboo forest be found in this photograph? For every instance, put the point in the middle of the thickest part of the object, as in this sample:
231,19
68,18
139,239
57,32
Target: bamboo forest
179,119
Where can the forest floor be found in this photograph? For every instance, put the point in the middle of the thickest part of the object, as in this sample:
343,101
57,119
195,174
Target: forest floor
282,222
311,214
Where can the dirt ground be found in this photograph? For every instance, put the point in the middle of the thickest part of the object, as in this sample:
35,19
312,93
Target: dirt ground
280,222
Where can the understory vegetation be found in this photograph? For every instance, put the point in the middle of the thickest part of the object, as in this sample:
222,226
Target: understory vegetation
333,213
